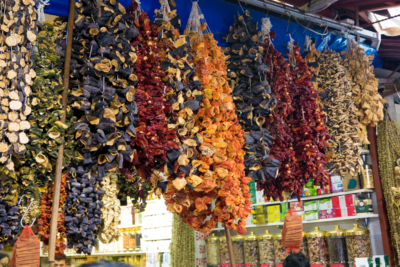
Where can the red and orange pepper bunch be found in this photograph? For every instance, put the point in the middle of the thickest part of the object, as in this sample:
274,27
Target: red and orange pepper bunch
218,169
153,139
45,217
296,124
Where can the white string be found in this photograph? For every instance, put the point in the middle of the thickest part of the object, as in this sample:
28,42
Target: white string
265,27
307,43
290,48
40,8
164,10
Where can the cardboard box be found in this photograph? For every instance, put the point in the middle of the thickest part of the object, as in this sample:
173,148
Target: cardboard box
364,262
259,219
307,192
283,215
351,183
383,261
258,209
344,212
297,205
325,204
311,215
350,200
337,213
326,214
260,198
364,206
273,209
301,214
274,218
252,187
311,205
337,183
338,202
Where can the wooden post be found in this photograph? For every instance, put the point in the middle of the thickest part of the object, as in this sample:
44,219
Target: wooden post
380,198
357,9
230,249
57,181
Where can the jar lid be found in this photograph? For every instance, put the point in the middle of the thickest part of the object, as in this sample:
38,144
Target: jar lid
277,236
336,231
267,235
251,236
305,234
356,230
237,238
222,239
316,233
212,238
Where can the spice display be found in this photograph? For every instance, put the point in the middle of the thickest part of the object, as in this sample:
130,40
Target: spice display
318,247
37,166
337,247
364,85
111,211
358,243
43,228
182,244
220,140
388,144
19,36
344,150
296,123
223,251
251,95
266,248
280,251
131,184
82,210
152,138
213,250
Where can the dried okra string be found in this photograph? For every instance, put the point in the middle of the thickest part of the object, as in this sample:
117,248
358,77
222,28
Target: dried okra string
318,250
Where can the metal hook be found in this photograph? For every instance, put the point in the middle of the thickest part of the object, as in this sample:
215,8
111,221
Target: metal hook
25,213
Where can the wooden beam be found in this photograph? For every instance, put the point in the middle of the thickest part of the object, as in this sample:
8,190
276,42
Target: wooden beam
230,248
347,3
364,16
383,218
396,69
378,7
59,164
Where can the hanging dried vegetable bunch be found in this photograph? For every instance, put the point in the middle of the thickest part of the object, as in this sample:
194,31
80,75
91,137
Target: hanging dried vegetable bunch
32,213
102,84
388,147
46,203
131,184
344,150
167,20
10,217
82,210
18,34
252,96
219,166
111,210
182,244
296,123
153,138
37,166
364,86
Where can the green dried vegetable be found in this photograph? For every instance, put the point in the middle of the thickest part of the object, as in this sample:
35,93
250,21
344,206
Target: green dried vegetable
182,244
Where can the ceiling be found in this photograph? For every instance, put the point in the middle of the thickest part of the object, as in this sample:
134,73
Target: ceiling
343,9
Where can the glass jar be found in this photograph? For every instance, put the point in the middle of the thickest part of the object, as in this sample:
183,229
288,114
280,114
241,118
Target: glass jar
223,251
132,239
266,248
358,243
126,236
280,252
251,250
304,246
337,247
238,249
212,251
318,247
138,237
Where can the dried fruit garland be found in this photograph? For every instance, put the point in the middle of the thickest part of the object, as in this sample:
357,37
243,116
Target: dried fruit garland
360,72
153,138
19,34
38,165
82,210
296,124
167,20
344,150
252,96
46,203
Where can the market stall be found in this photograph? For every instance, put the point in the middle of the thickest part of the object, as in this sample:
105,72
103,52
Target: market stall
144,139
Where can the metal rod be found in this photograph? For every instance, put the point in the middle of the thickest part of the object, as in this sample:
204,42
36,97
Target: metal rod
59,165
230,249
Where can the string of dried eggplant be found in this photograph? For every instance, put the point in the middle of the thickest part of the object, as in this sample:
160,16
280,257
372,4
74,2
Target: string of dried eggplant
344,150
252,96
18,38
364,85
388,146
10,226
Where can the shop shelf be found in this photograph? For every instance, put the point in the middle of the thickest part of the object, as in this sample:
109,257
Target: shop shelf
102,254
155,239
157,226
341,219
316,197
130,226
